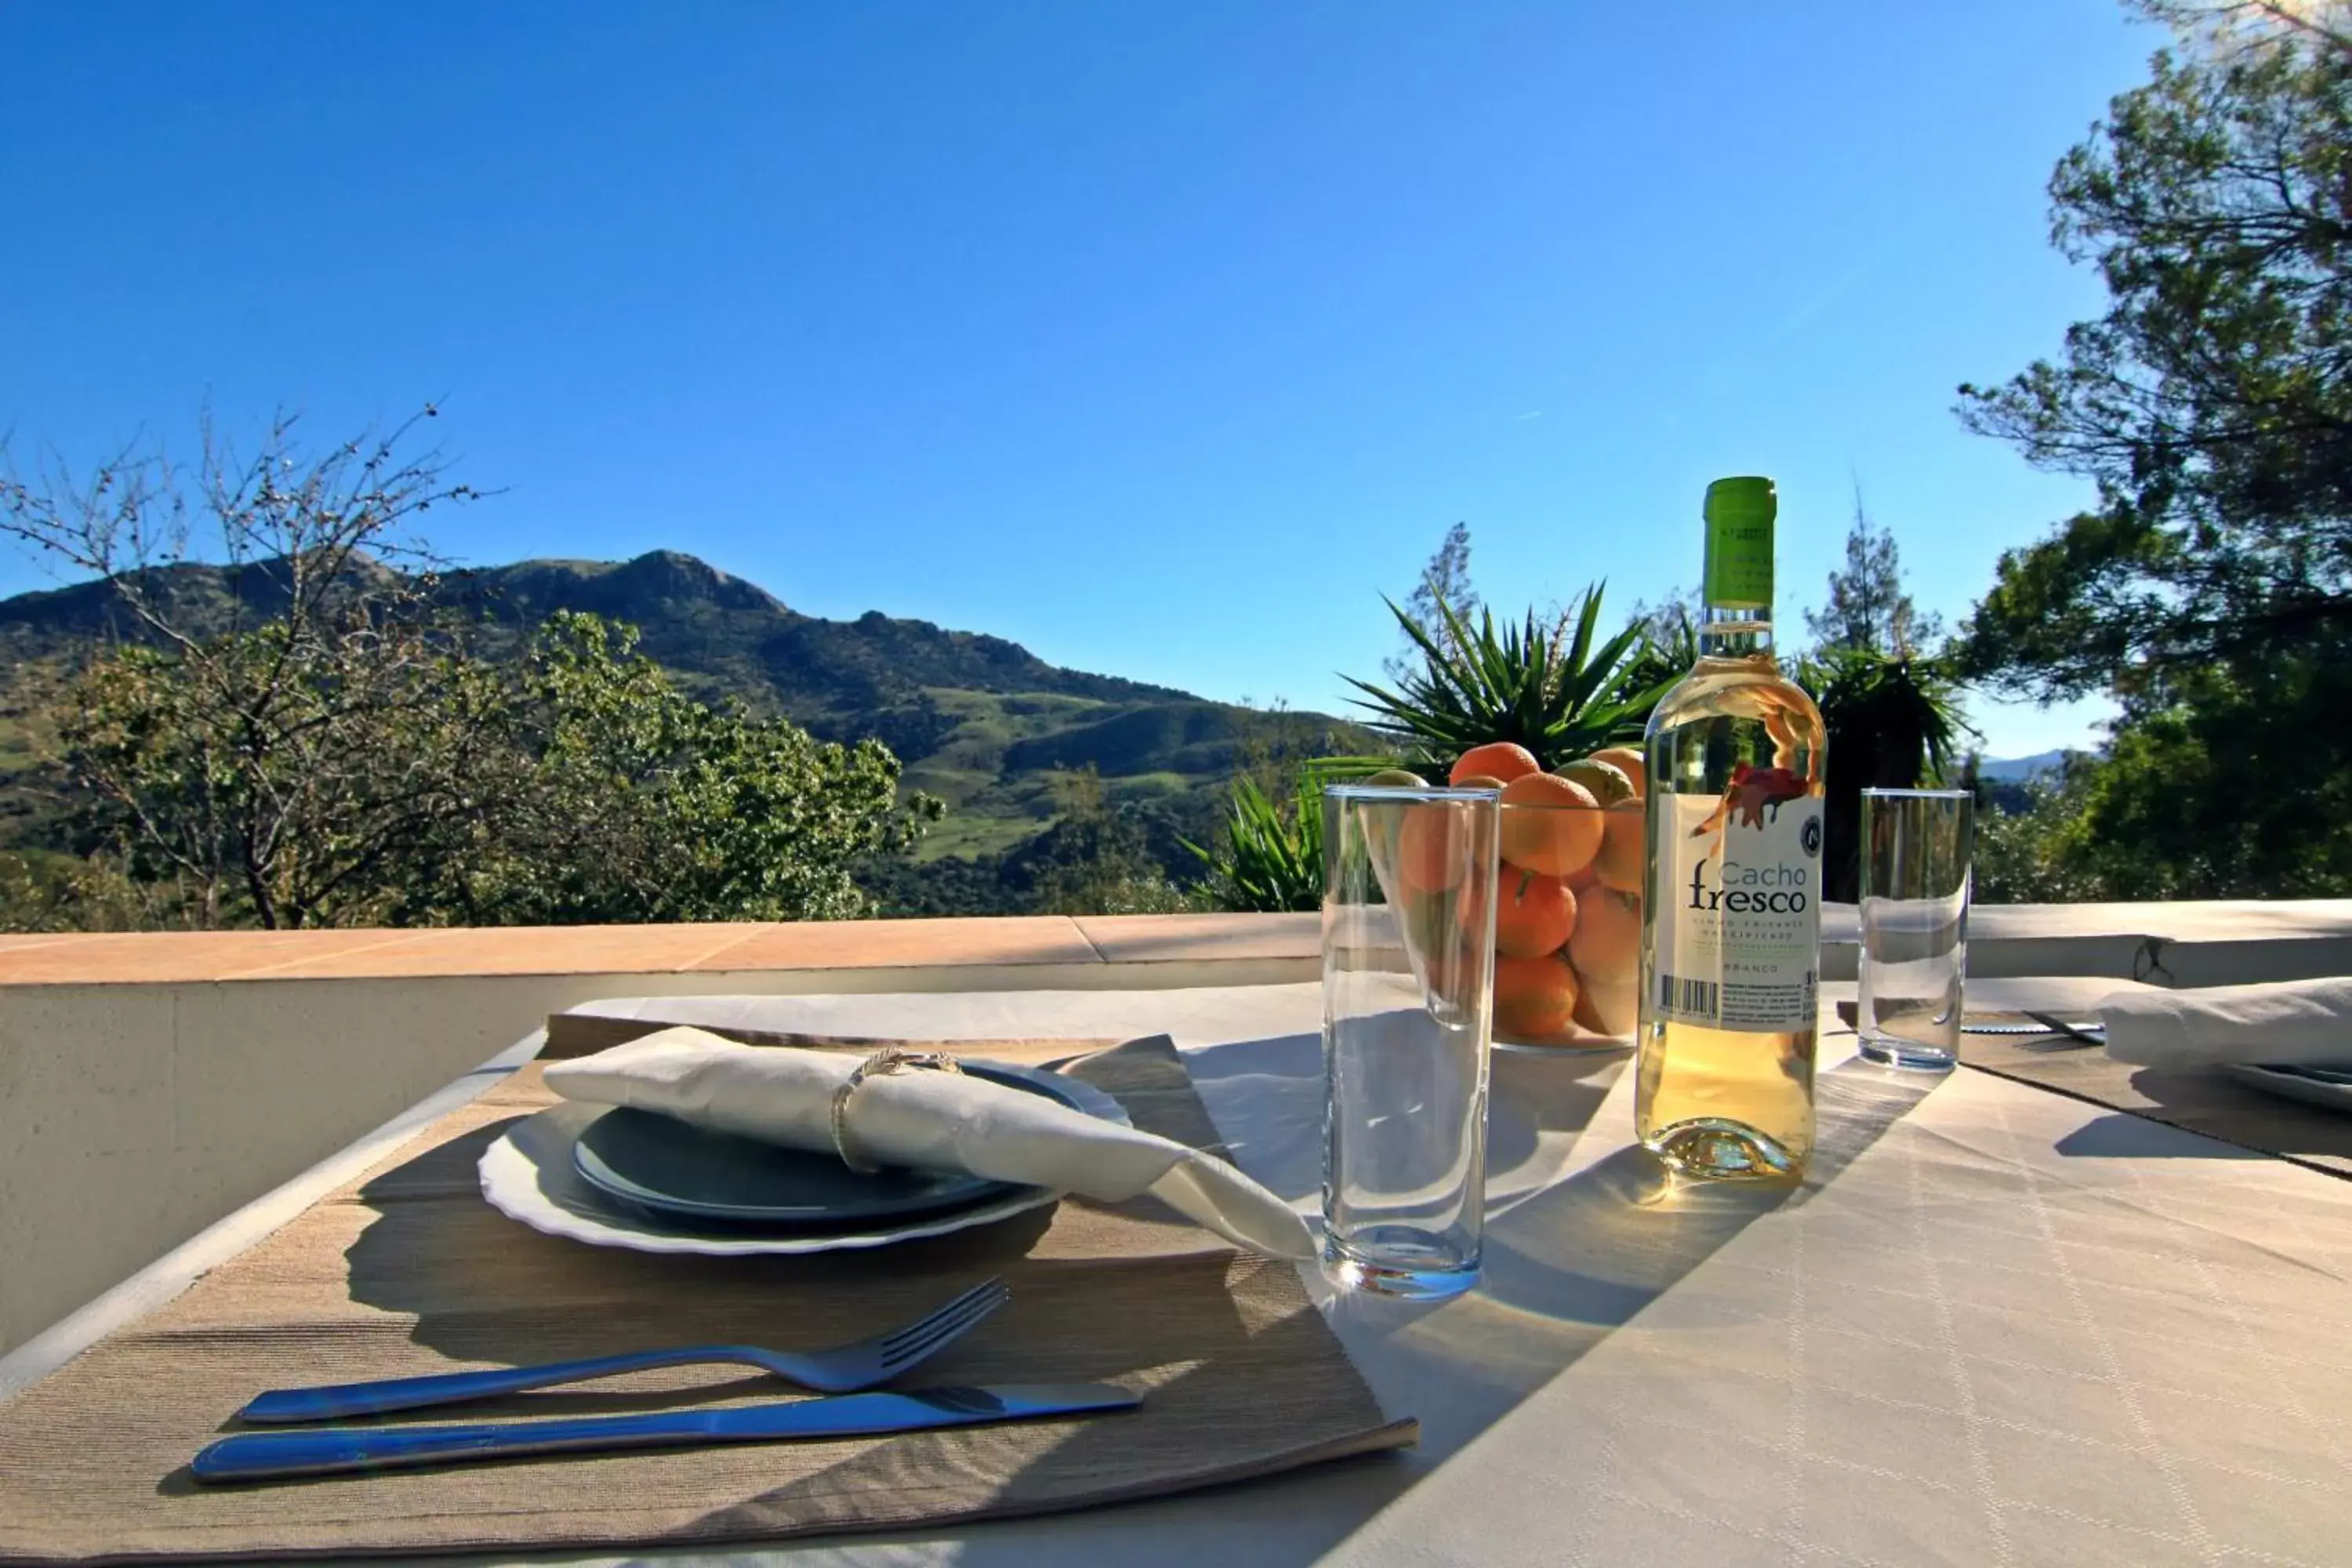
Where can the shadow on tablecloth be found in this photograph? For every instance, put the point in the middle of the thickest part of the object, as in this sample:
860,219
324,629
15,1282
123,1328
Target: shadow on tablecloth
1601,1246
1269,1098
1567,1267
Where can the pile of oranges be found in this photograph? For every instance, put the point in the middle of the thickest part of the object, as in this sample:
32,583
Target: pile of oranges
1568,908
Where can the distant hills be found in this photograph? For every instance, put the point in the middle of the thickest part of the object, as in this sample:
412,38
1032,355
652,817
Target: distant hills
2017,770
978,720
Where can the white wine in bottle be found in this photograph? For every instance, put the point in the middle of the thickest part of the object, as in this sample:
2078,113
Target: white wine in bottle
1731,923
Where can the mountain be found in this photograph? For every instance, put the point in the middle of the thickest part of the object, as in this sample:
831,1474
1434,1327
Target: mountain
697,617
977,720
2017,770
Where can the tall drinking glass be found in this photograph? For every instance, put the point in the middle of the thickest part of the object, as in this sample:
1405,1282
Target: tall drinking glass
1915,847
1408,1003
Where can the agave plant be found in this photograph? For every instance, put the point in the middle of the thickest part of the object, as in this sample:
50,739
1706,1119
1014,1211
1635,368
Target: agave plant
1894,722
1549,689
1272,858
1669,646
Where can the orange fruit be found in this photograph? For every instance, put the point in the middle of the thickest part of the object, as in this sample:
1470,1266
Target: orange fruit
1607,943
1535,998
1433,849
1504,759
1617,864
1607,782
1607,1007
1556,829
1475,781
1586,876
1533,913
1631,762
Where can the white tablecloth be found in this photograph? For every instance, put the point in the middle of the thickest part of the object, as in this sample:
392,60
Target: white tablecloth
2000,1327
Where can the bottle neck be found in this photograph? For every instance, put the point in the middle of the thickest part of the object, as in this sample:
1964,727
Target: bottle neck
1735,631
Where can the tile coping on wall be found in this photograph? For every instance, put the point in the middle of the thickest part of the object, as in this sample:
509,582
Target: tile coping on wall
199,957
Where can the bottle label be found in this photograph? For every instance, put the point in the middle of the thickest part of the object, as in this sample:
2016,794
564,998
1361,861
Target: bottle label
1737,888
1738,573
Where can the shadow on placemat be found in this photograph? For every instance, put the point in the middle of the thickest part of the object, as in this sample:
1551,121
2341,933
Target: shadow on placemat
482,1287
409,1272
2210,1101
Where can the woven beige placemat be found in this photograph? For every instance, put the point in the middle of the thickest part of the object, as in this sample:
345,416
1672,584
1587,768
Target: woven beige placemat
2209,1101
407,1271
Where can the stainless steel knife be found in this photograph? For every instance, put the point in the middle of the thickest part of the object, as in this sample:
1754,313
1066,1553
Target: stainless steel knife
2091,1034
270,1455
2046,1023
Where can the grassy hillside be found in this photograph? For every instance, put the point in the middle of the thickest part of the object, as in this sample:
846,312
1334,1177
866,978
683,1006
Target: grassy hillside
978,721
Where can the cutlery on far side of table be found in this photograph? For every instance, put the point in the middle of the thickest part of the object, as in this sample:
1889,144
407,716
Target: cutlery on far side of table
844,1369
2069,1036
2091,1033
330,1450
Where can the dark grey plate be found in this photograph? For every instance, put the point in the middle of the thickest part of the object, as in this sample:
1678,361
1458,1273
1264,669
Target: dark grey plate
673,1169
2330,1088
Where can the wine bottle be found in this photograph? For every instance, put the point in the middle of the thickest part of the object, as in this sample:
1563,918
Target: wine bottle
1731,923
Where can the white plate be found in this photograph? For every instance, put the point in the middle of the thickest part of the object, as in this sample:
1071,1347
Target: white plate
528,1175
2296,1085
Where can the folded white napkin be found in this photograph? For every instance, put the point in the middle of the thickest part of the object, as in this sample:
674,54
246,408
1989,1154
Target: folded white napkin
2292,1022
933,1120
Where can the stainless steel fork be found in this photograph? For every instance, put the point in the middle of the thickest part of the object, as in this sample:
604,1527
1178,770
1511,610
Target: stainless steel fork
841,1370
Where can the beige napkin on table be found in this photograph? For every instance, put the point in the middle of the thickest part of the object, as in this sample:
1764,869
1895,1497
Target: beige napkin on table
932,1120
2292,1022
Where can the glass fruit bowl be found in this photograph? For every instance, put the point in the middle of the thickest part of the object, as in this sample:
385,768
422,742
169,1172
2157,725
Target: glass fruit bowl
1568,915
1568,925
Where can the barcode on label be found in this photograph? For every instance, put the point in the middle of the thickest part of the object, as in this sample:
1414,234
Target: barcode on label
1677,995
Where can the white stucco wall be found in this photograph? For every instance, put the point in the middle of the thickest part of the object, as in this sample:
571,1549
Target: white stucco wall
131,1116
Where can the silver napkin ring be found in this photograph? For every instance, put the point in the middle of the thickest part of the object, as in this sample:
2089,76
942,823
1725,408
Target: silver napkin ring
881,1064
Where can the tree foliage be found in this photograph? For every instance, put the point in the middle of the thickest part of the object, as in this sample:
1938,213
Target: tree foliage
323,747
1891,708
2213,403
263,760
261,779
2209,589
1096,859
2237,790
624,799
1867,608
1442,592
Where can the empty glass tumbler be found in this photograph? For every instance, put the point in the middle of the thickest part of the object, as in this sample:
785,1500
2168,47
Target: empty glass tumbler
1915,847
1408,1001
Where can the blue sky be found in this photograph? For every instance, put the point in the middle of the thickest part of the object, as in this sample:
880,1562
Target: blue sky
1160,337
